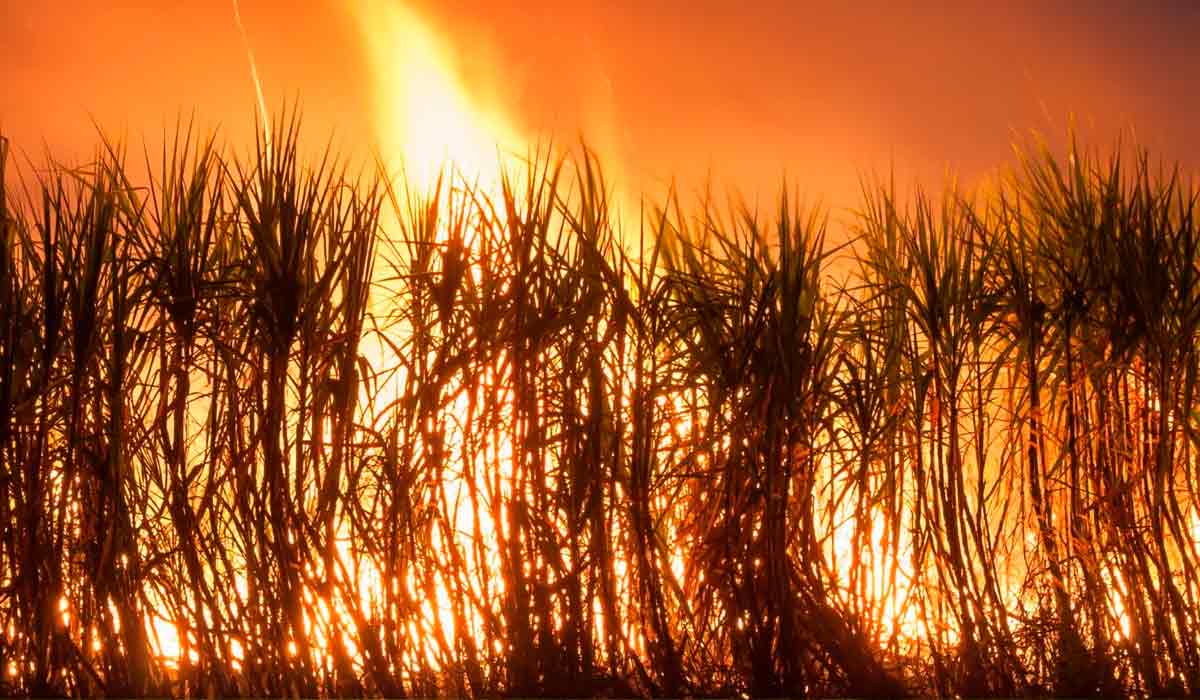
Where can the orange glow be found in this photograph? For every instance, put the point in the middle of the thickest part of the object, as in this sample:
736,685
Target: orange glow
464,551
426,118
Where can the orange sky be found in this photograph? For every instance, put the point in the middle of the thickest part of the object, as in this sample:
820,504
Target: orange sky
750,90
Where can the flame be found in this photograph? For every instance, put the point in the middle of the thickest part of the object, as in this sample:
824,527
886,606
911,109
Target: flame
426,117
428,125
428,120
438,132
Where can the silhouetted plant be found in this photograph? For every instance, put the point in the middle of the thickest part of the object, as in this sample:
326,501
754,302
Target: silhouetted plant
269,426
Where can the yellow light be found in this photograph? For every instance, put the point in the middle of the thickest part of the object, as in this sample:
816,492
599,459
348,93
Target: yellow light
426,118
167,637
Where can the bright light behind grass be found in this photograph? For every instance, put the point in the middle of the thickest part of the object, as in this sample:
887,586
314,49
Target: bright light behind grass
274,428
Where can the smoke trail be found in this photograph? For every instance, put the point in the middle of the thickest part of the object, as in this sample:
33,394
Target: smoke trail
262,103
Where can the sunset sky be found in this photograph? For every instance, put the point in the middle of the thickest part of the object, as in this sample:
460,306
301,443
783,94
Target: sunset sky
747,90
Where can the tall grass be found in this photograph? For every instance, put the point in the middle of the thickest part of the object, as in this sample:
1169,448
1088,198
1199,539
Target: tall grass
274,426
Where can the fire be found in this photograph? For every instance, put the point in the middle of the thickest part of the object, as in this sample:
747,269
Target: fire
438,133
426,118
166,637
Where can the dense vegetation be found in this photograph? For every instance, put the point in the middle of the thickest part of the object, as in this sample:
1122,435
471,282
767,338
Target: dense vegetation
258,439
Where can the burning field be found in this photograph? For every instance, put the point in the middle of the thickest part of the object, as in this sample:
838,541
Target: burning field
462,421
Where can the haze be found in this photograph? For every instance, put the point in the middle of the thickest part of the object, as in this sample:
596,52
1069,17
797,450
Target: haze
821,92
